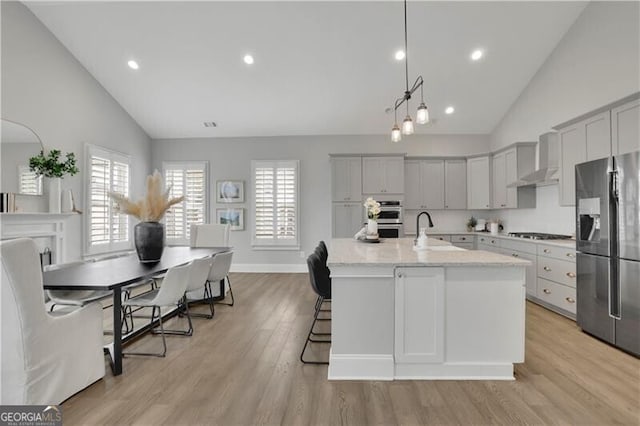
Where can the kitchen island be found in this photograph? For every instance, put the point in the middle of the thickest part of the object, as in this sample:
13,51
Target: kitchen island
442,313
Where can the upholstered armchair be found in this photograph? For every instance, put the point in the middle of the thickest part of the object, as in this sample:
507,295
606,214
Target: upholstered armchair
46,357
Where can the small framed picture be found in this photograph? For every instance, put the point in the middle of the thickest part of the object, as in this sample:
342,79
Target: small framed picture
231,216
230,191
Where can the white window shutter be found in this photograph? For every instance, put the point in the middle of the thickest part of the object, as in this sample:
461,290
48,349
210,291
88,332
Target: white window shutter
188,179
276,204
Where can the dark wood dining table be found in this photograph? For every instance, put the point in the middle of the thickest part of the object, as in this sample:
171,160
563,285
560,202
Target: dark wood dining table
114,274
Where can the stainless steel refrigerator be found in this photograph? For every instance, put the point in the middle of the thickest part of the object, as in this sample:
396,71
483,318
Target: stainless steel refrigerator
608,244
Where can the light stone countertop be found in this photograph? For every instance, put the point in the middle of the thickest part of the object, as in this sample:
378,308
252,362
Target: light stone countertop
399,252
571,243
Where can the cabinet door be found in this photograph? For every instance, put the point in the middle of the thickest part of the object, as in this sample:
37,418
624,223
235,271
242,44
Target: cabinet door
531,273
393,175
625,128
511,176
413,199
478,183
572,151
347,219
455,184
433,184
597,131
499,177
419,315
373,175
346,179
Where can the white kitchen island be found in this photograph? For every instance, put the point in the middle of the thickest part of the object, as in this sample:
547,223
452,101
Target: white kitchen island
443,313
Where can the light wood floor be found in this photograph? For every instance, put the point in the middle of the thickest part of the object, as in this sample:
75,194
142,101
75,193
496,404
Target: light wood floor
242,368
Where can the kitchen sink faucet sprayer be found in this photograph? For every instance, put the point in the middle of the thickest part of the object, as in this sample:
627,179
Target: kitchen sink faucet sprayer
418,224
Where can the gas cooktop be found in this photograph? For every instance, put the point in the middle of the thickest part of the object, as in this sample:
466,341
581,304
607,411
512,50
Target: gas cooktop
539,236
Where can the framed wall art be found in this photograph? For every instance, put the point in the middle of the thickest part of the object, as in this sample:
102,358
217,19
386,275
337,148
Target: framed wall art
230,191
231,216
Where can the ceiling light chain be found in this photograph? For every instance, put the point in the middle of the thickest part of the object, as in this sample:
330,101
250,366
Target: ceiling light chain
422,115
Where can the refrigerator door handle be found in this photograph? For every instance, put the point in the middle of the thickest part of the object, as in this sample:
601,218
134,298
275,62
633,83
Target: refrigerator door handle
614,280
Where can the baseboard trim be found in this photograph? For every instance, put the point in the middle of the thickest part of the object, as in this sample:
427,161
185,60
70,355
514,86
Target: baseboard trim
455,371
360,367
279,268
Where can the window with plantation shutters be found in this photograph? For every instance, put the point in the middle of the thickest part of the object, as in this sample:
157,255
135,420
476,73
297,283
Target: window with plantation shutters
189,179
106,228
275,185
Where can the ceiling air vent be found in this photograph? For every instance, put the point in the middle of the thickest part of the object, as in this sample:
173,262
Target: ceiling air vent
210,124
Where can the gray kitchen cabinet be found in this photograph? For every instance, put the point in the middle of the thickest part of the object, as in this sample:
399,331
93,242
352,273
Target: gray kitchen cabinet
573,151
413,199
625,128
348,218
479,183
499,181
597,134
455,184
383,175
433,184
508,166
346,179
531,275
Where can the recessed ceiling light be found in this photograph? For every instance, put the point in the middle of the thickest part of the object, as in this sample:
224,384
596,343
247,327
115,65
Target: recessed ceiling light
400,55
248,59
133,65
476,54
449,110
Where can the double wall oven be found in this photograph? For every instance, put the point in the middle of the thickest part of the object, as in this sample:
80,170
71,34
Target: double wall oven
390,220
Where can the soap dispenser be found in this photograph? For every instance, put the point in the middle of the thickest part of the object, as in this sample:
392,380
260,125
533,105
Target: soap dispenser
422,239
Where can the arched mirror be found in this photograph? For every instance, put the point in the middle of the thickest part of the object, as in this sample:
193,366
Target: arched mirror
18,143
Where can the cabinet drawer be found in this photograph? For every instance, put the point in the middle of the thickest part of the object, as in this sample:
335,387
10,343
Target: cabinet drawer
462,238
488,247
495,242
440,237
562,253
466,246
518,246
560,271
557,295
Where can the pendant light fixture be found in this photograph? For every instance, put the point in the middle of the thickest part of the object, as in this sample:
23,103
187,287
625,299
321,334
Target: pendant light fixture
422,114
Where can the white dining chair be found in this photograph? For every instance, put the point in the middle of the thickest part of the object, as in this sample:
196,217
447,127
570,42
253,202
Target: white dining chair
45,357
214,235
197,287
219,272
170,294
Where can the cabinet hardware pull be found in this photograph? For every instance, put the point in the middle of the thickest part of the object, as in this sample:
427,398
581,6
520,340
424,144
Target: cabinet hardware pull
571,275
546,291
515,255
570,299
546,268
546,250
399,274
462,239
571,255
493,241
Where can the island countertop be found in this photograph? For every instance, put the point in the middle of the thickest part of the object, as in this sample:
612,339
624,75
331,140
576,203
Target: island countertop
400,252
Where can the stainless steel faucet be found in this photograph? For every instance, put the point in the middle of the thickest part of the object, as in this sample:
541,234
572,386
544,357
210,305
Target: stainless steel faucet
418,224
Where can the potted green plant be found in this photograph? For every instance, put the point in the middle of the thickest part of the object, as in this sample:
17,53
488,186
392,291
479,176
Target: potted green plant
54,169
471,223
149,232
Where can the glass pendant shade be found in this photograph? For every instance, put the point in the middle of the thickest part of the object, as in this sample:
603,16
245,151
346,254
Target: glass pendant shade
407,126
422,116
396,136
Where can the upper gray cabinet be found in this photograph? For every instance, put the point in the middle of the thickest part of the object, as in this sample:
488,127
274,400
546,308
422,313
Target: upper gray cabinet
508,167
610,130
625,128
383,175
346,179
479,183
455,184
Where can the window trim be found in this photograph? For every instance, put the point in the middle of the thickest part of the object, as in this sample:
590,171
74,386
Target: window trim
272,244
207,195
112,155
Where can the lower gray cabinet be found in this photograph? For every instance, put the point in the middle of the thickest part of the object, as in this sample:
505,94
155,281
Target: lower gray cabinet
348,218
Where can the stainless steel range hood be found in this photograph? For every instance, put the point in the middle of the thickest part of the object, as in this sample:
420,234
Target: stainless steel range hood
548,164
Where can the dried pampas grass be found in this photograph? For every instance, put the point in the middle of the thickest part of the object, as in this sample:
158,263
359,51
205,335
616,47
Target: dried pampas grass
153,206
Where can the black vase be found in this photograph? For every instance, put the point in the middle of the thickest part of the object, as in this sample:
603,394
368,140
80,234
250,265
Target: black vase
149,240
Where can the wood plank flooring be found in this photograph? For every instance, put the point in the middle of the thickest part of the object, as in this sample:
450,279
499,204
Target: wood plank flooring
242,368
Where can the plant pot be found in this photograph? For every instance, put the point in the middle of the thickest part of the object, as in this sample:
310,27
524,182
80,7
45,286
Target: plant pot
54,188
149,241
372,227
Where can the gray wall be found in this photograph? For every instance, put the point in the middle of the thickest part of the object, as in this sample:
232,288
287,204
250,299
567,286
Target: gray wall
46,88
595,63
230,158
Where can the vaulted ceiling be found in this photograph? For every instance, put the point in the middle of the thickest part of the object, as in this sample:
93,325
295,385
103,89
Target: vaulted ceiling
320,67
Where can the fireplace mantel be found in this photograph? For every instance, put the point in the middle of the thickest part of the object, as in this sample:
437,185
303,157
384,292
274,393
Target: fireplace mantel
47,229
